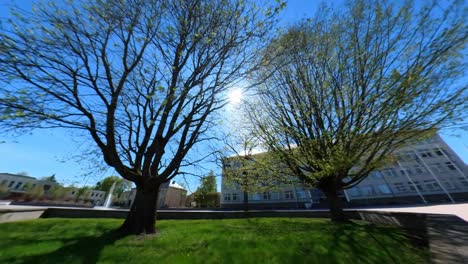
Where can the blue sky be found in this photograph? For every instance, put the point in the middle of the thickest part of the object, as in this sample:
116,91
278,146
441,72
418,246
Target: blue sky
46,152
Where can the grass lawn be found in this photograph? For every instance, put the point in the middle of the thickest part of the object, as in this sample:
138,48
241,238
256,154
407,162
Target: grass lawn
254,240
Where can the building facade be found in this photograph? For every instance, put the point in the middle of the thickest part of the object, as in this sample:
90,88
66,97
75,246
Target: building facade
15,185
171,195
428,171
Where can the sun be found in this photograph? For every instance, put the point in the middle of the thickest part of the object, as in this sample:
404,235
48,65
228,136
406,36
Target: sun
235,96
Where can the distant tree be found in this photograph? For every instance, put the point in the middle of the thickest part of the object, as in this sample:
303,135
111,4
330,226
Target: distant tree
208,183
83,193
121,185
343,90
4,191
58,193
33,192
50,178
23,173
206,194
141,79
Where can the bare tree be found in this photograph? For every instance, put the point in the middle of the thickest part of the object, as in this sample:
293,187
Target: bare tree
140,78
345,89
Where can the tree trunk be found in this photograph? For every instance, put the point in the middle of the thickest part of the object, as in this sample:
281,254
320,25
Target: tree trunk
334,203
142,216
246,201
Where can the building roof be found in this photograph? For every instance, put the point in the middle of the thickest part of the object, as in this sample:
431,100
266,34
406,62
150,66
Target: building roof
172,184
16,175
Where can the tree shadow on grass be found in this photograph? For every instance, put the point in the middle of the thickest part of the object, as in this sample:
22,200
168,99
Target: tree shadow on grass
347,242
384,244
81,249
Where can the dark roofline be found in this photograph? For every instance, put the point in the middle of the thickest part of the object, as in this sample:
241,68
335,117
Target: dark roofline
16,175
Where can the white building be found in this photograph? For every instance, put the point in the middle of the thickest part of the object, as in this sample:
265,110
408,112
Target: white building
426,172
16,184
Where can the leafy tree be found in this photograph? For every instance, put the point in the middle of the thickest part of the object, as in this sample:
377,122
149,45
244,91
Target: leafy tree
344,89
208,183
206,194
121,185
4,191
58,193
82,192
140,78
33,192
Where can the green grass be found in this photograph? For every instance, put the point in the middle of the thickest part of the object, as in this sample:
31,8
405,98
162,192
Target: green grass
254,240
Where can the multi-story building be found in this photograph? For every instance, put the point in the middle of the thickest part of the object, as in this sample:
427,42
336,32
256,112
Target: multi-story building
428,171
93,197
15,187
16,184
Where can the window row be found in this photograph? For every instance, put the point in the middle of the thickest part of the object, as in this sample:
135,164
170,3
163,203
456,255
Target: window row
406,187
422,153
18,186
414,170
287,195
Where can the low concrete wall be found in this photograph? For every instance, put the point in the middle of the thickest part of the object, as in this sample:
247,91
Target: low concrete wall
83,213
185,214
11,215
404,220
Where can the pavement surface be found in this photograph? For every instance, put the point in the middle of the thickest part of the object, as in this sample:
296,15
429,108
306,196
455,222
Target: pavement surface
460,210
448,239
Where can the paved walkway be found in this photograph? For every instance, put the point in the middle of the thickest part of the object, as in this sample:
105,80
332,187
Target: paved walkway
460,210
448,239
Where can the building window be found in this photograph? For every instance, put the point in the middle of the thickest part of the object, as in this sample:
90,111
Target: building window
450,166
18,185
438,152
227,197
389,172
367,190
417,186
234,196
418,169
425,153
254,197
288,195
437,167
432,185
266,196
353,191
463,181
448,185
407,156
11,184
383,189
4,182
400,187
376,175
301,194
